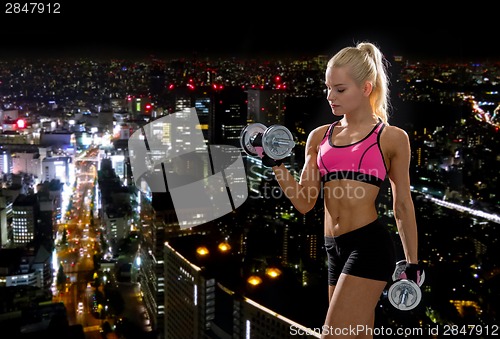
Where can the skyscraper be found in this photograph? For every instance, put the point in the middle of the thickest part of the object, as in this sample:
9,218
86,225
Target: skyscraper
266,106
25,215
189,297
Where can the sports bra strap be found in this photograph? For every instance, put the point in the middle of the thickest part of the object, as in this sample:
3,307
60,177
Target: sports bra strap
327,132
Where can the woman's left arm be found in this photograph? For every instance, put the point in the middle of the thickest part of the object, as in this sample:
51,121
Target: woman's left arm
399,153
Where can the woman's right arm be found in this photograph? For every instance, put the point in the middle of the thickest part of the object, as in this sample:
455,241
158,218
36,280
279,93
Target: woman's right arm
303,194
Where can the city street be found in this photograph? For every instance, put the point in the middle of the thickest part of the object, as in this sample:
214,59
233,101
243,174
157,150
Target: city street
78,241
76,245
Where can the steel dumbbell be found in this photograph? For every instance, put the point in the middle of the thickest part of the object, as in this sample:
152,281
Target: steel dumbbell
405,294
276,140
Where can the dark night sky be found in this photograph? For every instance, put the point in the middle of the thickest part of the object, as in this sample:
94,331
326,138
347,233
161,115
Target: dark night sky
249,30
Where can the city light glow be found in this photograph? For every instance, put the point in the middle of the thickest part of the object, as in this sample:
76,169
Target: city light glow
224,247
273,272
254,280
202,250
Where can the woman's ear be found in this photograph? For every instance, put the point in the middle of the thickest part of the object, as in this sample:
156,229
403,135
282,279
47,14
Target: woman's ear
367,89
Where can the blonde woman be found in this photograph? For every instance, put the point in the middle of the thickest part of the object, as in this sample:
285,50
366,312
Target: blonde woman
349,160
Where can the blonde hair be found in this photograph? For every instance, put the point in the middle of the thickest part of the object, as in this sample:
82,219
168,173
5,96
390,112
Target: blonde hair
367,63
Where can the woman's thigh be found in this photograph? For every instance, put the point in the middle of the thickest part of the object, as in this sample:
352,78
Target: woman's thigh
352,306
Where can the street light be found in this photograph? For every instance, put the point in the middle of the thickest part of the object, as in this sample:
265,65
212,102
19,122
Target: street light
254,280
273,272
202,250
224,247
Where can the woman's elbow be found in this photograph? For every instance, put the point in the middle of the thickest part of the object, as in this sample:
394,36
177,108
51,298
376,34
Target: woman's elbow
303,207
302,210
403,209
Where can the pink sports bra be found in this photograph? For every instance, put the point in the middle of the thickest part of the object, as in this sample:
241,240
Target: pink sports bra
361,161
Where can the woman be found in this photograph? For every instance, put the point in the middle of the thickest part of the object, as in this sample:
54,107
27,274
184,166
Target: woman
349,160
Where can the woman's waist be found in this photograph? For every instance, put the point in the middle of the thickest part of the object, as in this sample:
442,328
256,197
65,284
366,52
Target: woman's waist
370,229
345,220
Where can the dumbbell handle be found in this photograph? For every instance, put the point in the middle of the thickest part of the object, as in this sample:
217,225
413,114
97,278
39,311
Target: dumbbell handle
256,141
404,296
283,142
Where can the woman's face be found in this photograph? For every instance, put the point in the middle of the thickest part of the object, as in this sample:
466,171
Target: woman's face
343,94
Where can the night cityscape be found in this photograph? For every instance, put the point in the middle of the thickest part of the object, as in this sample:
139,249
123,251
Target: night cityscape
89,250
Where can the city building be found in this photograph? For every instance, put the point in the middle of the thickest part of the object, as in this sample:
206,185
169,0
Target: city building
25,210
266,106
26,267
198,306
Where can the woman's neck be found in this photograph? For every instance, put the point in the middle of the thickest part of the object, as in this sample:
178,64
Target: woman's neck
355,120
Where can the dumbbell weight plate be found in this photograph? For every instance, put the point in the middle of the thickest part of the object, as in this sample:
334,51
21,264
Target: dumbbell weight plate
404,295
399,270
247,134
277,142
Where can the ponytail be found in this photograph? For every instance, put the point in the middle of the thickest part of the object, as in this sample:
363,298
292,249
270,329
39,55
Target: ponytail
367,63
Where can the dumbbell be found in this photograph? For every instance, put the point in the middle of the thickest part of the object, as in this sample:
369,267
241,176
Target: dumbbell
405,294
276,140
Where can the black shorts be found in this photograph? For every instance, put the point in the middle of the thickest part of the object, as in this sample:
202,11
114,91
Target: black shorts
366,252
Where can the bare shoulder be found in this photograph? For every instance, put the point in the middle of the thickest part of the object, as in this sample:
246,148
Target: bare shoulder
394,140
394,134
314,138
317,134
